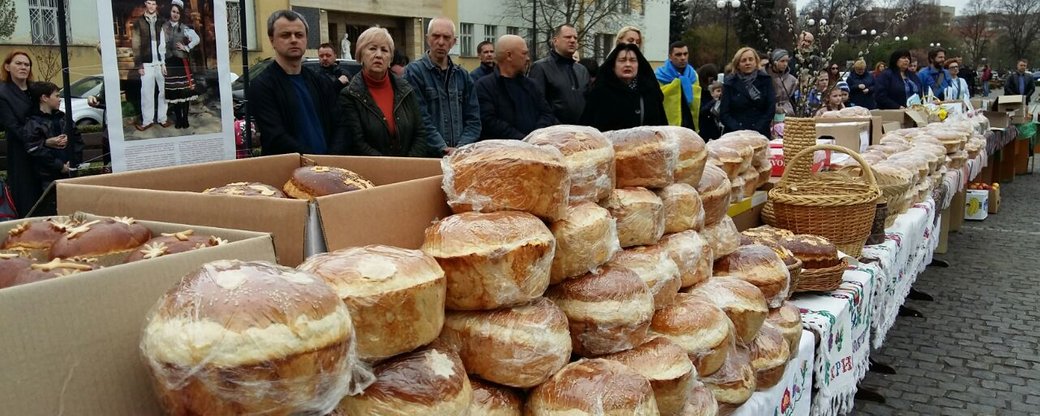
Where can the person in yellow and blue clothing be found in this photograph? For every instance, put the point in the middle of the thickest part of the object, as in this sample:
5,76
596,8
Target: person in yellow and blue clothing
682,92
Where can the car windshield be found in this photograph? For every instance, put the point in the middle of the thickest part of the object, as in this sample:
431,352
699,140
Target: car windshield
84,87
254,71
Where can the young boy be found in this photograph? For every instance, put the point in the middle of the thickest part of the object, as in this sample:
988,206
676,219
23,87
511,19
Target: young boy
52,152
711,126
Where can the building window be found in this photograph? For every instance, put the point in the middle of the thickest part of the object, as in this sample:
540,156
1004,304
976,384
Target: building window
466,39
626,6
512,30
43,22
235,24
604,44
490,33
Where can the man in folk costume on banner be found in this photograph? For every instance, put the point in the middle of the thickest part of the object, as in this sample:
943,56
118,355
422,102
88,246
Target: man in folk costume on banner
682,92
148,62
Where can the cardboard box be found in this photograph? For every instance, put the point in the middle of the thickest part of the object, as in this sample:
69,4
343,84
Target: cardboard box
853,135
776,157
906,118
876,125
994,201
407,198
998,120
1012,103
747,212
890,127
70,345
976,206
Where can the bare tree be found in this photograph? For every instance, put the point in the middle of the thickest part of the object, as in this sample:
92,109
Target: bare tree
973,29
1021,20
8,18
589,17
46,61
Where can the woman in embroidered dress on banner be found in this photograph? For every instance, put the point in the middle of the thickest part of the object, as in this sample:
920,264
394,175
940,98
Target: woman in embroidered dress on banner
176,43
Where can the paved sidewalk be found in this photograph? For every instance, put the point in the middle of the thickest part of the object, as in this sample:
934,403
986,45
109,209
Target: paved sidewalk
977,352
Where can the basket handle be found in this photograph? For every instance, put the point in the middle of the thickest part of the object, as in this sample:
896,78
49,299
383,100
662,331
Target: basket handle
865,170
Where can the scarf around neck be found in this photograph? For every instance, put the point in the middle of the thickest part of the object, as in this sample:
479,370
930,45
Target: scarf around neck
668,73
749,83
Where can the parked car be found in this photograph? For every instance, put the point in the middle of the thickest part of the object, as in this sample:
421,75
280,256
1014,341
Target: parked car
238,92
82,113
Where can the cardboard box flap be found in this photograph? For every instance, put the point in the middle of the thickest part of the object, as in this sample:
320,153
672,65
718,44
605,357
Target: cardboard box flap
264,214
375,168
271,170
919,118
1011,99
891,126
70,345
394,215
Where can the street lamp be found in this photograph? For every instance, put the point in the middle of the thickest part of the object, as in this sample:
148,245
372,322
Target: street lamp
935,45
904,38
733,4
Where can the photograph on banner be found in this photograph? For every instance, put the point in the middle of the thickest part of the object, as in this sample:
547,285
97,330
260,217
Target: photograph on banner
168,62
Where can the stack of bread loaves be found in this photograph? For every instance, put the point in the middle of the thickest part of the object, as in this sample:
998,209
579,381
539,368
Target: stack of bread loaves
744,156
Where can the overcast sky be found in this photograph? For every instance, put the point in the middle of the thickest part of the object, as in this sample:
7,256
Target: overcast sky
959,4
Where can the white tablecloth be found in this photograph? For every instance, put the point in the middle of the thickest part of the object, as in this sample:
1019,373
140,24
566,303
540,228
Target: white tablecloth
792,396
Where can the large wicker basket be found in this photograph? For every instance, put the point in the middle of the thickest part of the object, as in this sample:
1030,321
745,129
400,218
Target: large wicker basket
838,210
799,134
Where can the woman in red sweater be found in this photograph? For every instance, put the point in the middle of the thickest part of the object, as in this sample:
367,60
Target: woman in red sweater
380,110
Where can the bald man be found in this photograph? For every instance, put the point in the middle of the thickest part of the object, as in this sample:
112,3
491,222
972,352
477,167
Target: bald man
448,102
511,106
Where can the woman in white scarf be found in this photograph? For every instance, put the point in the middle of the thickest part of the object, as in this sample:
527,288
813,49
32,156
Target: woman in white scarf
958,89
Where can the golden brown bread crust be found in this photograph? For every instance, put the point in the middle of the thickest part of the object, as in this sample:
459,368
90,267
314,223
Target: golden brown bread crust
585,239
643,157
723,237
395,296
769,355
594,386
734,383
814,251
760,266
500,175
655,267
691,254
733,158
714,189
179,242
491,260
639,213
743,303
683,209
430,379
310,182
37,234
490,399
700,327
700,402
788,320
692,154
665,364
19,269
521,346
109,236
247,189
589,157
608,310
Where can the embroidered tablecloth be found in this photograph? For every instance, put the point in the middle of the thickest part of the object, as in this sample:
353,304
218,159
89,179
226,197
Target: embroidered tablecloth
792,396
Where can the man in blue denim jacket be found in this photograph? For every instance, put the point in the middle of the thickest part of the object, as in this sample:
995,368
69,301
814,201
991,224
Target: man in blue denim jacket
450,112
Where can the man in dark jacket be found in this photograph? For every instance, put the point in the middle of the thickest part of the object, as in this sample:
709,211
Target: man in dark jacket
328,66
294,109
559,79
1020,82
510,104
486,52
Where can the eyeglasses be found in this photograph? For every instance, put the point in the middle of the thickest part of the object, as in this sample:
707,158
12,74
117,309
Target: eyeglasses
953,67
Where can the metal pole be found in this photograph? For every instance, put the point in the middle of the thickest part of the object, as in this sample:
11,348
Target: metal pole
534,29
245,73
63,48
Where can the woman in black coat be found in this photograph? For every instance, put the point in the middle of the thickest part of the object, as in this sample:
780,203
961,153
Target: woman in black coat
16,75
861,86
897,83
748,101
625,93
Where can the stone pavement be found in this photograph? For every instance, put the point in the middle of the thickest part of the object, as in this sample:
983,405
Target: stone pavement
977,352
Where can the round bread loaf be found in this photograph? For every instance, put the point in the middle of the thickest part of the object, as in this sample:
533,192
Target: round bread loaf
36,237
608,310
593,387
759,145
493,400
503,175
249,337
585,239
589,157
733,158
110,240
714,189
743,303
666,366
491,260
734,383
691,254
310,182
750,178
815,252
247,189
653,265
700,402
698,326
760,266
766,232
643,157
723,237
788,320
682,208
17,269
174,243
692,153
521,346
395,296
769,355
429,381
639,214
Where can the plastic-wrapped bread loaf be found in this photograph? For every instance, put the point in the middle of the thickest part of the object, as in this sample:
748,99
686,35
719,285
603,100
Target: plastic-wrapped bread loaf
723,237
691,255
788,320
692,153
760,266
608,310
589,157
643,157
594,387
429,381
714,189
639,213
735,382
655,267
585,239
493,400
491,260
701,401
683,209
700,327
502,175
769,355
743,303
666,366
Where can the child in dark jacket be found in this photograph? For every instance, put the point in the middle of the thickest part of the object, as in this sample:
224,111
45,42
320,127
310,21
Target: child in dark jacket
52,151
711,126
